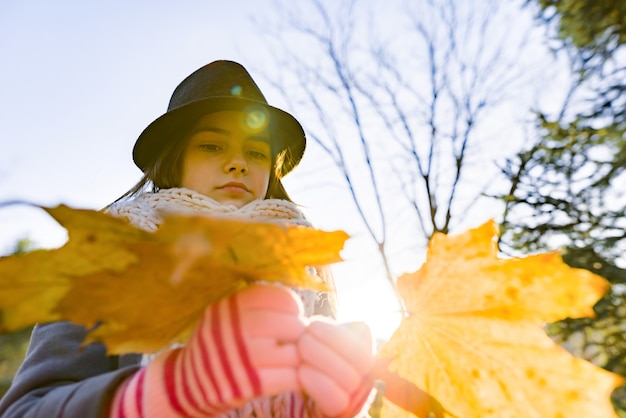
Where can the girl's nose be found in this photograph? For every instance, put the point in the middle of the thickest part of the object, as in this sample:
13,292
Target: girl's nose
236,164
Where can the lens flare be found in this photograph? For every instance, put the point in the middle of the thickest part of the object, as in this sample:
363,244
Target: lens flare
256,119
236,90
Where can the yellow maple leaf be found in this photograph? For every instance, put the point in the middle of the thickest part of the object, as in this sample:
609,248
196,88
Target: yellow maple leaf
147,290
32,284
473,337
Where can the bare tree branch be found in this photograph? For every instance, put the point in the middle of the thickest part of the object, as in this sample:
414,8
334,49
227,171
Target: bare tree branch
400,112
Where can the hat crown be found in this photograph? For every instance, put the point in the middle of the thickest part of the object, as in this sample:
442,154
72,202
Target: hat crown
218,79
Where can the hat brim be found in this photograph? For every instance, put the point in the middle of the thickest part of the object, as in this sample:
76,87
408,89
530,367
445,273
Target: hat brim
174,125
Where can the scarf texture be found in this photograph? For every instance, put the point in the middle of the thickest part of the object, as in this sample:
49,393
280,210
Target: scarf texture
145,212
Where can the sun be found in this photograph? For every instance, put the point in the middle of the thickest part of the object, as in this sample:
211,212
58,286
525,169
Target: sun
370,301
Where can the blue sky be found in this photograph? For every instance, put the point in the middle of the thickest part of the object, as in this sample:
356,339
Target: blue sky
80,81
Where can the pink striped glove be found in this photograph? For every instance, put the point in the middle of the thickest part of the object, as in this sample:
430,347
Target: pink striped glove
337,366
243,347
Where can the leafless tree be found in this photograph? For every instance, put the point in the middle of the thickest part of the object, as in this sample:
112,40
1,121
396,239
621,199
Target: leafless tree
399,98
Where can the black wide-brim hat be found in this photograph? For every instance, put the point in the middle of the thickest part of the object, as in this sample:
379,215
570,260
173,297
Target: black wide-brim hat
220,85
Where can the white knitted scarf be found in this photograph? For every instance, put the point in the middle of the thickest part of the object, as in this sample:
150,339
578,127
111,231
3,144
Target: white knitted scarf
145,212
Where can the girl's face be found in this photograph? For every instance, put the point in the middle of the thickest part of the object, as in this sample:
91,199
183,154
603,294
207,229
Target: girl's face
227,160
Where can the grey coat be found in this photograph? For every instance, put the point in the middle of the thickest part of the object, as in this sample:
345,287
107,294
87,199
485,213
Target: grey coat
59,380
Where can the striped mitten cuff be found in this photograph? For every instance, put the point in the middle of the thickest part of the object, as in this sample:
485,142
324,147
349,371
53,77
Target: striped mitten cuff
243,347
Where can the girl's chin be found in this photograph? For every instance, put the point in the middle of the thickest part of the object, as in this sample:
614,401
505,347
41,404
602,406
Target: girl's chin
238,203
234,199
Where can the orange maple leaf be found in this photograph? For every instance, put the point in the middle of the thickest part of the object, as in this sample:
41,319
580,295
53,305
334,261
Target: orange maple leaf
147,290
473,337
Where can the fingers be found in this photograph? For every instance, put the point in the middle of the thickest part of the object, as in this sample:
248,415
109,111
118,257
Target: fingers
269,297
284,327
359,329
244,345
352,342
279,380
337,361
267,353
319,356
330,398
271,322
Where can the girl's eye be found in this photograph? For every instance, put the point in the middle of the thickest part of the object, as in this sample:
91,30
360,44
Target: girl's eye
210,147
259,155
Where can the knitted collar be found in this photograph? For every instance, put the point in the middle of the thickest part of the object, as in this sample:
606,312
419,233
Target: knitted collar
145,210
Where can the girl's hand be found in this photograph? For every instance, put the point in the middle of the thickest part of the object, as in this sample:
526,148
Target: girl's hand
337,365
243,347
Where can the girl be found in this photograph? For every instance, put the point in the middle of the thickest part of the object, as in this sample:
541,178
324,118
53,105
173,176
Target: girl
219,150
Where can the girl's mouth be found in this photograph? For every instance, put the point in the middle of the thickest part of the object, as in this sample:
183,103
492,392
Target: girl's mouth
234,187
